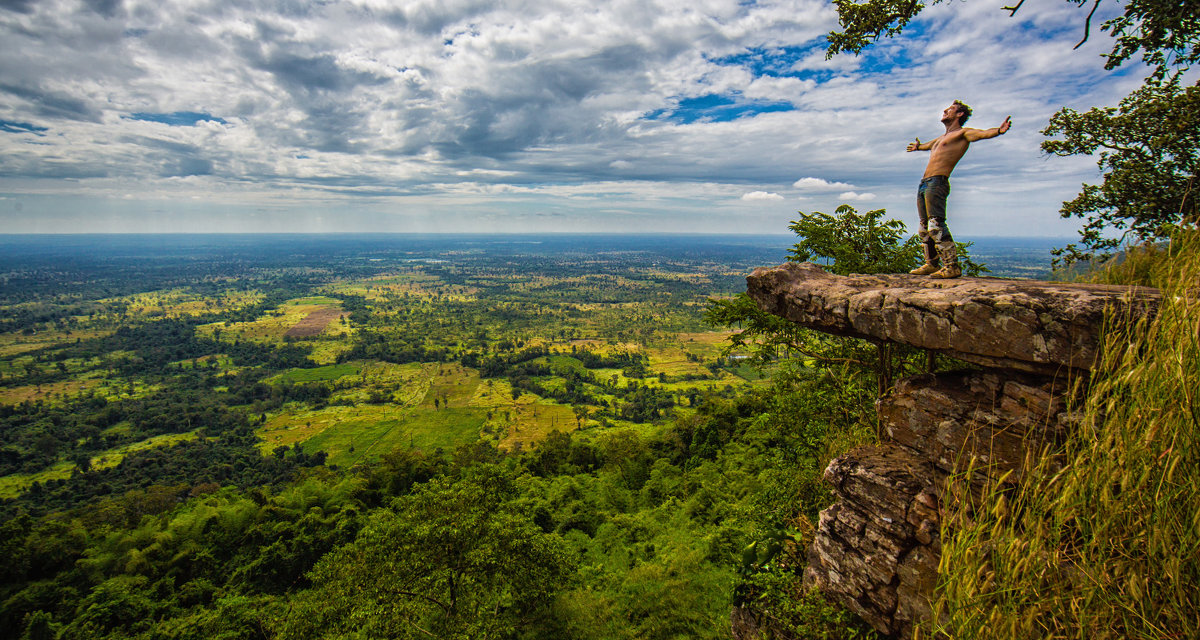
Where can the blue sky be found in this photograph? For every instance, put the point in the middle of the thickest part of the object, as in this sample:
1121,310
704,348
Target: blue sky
716,116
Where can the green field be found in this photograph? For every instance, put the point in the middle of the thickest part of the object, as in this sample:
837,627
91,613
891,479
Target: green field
362,361
320,374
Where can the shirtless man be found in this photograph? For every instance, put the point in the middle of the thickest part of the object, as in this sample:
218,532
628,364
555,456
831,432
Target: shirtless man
941,254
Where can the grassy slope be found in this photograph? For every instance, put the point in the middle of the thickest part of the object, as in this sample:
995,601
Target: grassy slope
1103,540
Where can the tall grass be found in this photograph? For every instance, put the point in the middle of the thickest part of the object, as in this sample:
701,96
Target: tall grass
1102,538
1148,265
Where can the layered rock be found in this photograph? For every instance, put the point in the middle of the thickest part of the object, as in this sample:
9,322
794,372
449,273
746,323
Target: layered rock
1039,327
877,548
989,417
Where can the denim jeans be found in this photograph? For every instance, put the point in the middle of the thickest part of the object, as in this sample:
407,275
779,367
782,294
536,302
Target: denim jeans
931,208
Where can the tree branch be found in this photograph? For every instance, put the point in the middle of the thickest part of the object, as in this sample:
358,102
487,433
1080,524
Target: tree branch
423,597
414,625
1087,24
1012,11
827,359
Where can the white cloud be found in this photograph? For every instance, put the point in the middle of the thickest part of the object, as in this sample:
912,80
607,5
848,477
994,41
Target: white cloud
819,184
761,195
853,195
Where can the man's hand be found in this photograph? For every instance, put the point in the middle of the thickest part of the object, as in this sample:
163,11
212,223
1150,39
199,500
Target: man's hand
913,146
1003,128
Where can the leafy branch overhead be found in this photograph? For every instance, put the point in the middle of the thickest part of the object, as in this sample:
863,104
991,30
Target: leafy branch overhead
1152,138
1164,31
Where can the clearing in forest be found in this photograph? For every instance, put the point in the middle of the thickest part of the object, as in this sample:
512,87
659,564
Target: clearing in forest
274,325
314,323
32,393
427,406
364,433
530,420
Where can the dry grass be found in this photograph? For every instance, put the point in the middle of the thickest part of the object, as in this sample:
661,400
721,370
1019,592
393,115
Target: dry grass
15,343
314,323
528,422
31,393
1102,540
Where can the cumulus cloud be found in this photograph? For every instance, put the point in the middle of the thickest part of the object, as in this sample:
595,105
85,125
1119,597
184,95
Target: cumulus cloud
854,195
819,184
761,195
363,103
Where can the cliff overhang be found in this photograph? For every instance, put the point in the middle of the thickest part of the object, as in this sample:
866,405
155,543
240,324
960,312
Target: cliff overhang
1026,325
876,549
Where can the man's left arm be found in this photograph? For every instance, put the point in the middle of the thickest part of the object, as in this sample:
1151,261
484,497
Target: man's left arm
983,134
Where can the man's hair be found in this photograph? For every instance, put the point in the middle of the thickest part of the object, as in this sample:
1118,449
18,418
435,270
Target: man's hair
964,111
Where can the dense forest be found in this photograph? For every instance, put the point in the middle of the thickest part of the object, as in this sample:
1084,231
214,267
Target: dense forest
415,437
300,437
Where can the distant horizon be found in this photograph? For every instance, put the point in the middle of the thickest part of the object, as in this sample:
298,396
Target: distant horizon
714,234
1005,256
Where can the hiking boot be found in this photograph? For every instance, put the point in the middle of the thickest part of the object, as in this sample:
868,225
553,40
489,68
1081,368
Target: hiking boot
947,272
925,269
948,252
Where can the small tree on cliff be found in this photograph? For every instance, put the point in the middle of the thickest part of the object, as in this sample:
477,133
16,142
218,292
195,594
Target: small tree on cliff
844,242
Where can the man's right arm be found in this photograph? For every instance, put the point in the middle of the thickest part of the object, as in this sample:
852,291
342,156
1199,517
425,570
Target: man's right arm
920,146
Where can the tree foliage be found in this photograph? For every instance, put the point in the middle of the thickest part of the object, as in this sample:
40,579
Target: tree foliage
1150,155
450,560
1165,32
851,242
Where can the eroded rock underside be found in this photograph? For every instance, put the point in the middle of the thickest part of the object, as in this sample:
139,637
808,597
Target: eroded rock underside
876,550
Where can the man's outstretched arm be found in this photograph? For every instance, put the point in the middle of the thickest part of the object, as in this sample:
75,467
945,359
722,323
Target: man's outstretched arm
920,146
983,134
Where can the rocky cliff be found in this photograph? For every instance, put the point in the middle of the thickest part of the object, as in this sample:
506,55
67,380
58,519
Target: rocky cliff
877,548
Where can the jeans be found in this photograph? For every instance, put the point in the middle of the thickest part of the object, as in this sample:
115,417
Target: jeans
931,208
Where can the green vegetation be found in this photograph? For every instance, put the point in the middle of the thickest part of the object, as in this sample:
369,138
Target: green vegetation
1101,539
505,445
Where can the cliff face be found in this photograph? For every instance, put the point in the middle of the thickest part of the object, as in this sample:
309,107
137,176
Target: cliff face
877,548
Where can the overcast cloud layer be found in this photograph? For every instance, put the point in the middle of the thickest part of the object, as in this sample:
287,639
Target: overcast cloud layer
517,116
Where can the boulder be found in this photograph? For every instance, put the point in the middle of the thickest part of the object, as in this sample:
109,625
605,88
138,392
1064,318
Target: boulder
876,549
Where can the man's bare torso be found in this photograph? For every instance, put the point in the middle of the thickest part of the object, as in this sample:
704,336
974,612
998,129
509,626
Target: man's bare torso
947,150
950,147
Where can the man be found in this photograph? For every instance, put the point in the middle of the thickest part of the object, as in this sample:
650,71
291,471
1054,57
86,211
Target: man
941,254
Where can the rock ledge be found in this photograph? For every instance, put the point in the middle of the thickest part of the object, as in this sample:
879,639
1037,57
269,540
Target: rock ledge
1027,325
876,550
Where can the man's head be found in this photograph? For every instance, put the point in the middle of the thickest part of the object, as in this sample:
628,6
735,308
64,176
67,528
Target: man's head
956,111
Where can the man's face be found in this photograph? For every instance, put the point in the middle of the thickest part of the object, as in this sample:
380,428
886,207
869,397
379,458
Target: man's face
950,114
